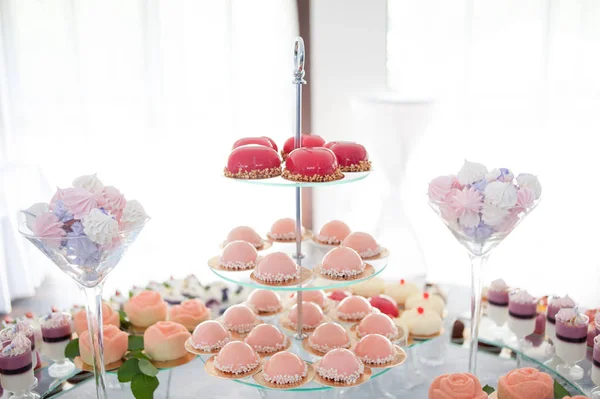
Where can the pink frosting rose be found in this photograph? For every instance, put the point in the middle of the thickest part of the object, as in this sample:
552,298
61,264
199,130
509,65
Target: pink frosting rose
109,317
146,308
456,386
440,187
79,201
113,201
115,345
190,313
165,341
49,227
526,383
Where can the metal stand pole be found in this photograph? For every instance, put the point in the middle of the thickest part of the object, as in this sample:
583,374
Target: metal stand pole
299,56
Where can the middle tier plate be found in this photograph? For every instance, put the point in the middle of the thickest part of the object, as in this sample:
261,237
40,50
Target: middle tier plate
280,181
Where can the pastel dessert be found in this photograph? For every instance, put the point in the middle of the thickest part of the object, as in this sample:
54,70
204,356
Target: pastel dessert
427,301
239,255
244,233
401,291
342,263
210,335
239,318
115,345
312,315
25,328
56,334
276,267
368,288
354,308
306,140
253,162
556,304
329,336
109,317
363,243
422,322
525,383
284,230
165,341
352,157
312,165
263,140
377,323
596,362
456,386
333,233
264,301
540,324
285,368
237,358
16,366
317,296
375,349
497,296
571,335
594,329
385,304
189,313
341,365
522,312
146,308
266,338
338,295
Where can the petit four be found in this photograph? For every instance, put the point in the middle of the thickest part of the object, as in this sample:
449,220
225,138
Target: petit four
25,328
312,315
253,162
363,243
266,338
368,288
115,345
556,304
210,335
189,313
146,308
338,295
16,366
427,301
596,362
56,334
594,329
306,140
244,233
284,230
522,312
239,255
236,358
400,292
239,318
342,263
329,336
312,165
353,308
377,323
316,296
340,365
385,304
109,317
375,349
455,386
165,340
352,157
264,301
264,141
333,233
285,368
497,296
422,322
571,335
276,267
525,382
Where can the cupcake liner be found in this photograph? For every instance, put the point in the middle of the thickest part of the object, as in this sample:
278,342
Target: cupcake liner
175,362
305,275
190,348
310,374
364,377
368,271
307,235
287,345
214,264
210,368
400,358
266,244
81,365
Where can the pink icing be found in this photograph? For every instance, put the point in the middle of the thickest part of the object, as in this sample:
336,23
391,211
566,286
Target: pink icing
526,383
377,323
283,229
329,336
334,232
276,267
456,386
340,365
113,201
312,315
354,308
49,227
362,243
318,296
440,188
79,201
376,349
244,233
210,335
466,202
189,313
265,338
239,255
525,197
265,301
342,261
236,357
58,196
239,318
284,368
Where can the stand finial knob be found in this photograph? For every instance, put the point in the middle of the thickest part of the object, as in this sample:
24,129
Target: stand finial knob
299,56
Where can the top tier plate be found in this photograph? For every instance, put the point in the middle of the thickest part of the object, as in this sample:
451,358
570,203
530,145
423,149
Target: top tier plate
280,181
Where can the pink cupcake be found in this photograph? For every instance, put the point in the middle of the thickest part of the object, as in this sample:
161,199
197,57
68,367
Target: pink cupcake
285,368
526,383
317,297
146,308
333,232
238,255
329,336
237,358
210,335
189,313
115,345
266,338
340,365
284,230
165,341
342,263
363,243
312,315
109,317
244,233
377,323
276,267
456,386
265,301
354,308
375,349
239,318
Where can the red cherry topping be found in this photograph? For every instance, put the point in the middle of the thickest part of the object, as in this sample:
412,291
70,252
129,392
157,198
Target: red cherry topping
264,141
402,282
426,295
29,315
306,140
420,310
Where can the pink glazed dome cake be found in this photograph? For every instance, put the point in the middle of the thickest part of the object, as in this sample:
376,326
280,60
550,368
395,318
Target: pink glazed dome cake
342,263
354,308
329,336
284,230
276,267
375,349
333,232
236,358
266,338
210,335
238,255
341,365
284,368
312,315
239,318
264,301
244,233
317,297
363,243
377,323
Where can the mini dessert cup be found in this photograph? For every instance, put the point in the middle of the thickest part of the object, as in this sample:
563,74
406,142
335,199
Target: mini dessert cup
56,335
522,313
23,327
497,308
16,368
596,368
555,304
571,342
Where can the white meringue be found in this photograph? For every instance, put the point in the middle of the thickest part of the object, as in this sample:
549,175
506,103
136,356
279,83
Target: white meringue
469,220
100,227
498,285
493,215
133,214
493,175
34,211
471,172
531,182
90,183
501,194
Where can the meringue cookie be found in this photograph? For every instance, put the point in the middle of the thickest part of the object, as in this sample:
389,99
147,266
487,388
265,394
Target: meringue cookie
471,172
48,226
100,227
469,220
440,187
501,194
61,212
78,201
33,212
58,196
89,183
493,215
530,181
500,174
525,197
113,201
133,214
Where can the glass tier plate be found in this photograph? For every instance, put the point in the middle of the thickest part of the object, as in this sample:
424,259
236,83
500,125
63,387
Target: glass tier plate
280,181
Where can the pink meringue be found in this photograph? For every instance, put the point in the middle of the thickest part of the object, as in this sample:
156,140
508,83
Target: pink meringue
112,201
79,201
441,187
467,204
525,197
48,226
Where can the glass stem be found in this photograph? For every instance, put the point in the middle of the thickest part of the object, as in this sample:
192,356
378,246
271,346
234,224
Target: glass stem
477,263
93,308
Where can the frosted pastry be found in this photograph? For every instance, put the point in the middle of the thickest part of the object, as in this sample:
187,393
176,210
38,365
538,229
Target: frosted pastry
284,230
377,323
329,336
115,345
237,358
189,313
333,232
312,165
165,340
210,335
109,317
368,288
342,263
341,365
253,162
353,308
375,349
456,386
317,296
401,291
285,368
306,140
264,301
244,233
363,243
385,305
422,322
312,315
146,308
266,338
239,255
276,267
525,383
427,301
239,318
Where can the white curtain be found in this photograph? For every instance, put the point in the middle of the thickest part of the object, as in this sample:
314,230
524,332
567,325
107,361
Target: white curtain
150,95
517,85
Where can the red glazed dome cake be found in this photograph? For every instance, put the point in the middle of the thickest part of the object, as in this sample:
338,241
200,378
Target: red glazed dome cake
306,140
317,164
266,338
239,255
312,315
239,318
363,243
264,141
253,162
354,308
329,336
210,335
244,233
285,368
341,365
352,157
342,263
284,230
375,349
377,323
264,301
276,267
333,232
236,358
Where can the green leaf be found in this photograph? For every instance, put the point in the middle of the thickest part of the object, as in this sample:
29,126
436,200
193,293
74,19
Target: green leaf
72,349
167,285
147,368
130,294
136,342
143,386
137,354
125,324
488,389
128,370
559,391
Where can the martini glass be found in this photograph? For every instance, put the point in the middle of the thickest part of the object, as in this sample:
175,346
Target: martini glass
88,264
479,242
